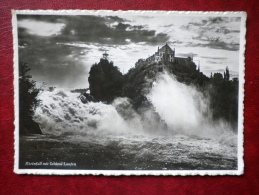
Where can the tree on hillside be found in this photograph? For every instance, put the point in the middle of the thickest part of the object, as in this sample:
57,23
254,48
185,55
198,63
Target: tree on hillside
223,95
27,101
105,81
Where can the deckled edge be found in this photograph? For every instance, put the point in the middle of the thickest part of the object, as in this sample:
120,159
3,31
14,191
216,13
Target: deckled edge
16,92
241,96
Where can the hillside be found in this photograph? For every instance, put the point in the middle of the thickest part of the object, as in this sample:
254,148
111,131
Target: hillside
220,92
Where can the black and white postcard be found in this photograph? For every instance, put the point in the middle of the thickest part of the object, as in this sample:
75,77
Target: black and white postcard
129,92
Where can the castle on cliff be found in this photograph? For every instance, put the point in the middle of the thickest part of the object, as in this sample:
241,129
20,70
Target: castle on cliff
166,54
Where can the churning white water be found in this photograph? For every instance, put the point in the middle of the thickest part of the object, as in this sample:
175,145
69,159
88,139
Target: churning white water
182,108
115,136
62,112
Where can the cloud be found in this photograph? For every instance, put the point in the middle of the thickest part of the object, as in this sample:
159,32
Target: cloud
41,28
56,65
213,62
101,29
214,32
214,58
187,54
169,25
216,45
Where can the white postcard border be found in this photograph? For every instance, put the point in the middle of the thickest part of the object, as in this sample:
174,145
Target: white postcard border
240,147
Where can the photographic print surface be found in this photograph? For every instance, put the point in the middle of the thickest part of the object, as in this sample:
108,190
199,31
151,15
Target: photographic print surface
129,92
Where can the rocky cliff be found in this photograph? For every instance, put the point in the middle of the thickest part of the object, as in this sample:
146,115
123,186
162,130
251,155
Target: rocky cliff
137,83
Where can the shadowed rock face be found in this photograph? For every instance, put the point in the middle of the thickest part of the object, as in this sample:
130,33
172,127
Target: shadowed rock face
139,80
29,126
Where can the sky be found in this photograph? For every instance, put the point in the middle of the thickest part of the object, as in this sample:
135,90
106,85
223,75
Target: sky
60,49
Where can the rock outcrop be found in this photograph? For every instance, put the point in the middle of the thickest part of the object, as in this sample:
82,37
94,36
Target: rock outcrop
107,83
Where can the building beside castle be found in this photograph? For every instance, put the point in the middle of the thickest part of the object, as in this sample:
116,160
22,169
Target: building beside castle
167,54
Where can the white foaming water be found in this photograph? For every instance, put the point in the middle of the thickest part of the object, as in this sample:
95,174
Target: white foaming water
62,112
184,109
117,129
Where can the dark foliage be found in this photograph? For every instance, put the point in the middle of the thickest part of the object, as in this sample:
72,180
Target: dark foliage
105,81
27,102
223,96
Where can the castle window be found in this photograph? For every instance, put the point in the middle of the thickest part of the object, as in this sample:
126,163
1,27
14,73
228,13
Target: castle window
161,54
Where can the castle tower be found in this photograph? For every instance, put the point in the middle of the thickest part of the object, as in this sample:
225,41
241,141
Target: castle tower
105,55
172,57
168,52
227,74
157,56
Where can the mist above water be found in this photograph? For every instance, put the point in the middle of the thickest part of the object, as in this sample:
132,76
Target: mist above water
182,108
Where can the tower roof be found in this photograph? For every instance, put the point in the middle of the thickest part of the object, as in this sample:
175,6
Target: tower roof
105,54
167,48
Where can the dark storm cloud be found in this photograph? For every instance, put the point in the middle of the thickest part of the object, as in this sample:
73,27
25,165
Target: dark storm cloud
56,65
116,18
109,29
